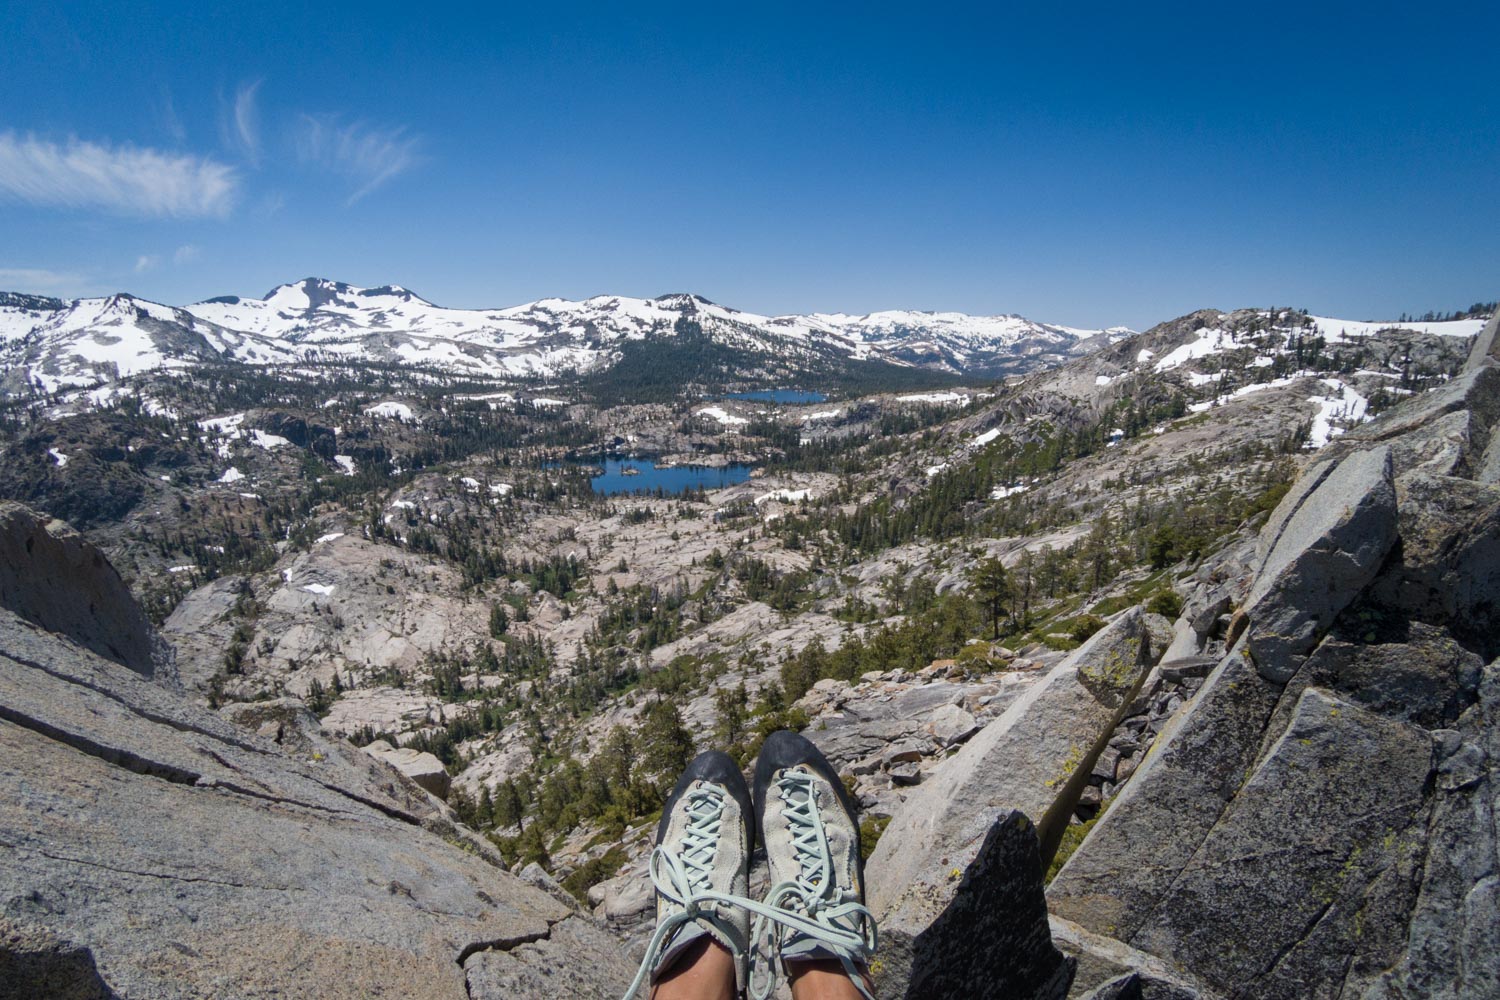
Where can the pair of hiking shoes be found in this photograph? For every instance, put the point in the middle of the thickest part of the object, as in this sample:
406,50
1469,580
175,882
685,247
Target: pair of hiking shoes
701,868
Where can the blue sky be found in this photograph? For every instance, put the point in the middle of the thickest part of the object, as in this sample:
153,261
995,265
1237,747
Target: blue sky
1100,164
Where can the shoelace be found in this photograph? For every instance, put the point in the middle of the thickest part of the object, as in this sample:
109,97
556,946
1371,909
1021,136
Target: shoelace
811,904
685,877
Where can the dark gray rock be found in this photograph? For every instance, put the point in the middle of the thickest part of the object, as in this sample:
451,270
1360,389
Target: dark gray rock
849,740
905,774
1105,764
1105,965
1303,487
1476,391
1273,903
1448,571
1176,671
1137,986
1113,882
1488,468
1452,951
52,576
1322,556
991,939
1403,670
1205,622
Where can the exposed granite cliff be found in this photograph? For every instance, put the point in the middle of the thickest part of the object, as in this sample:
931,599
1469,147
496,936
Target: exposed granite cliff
153,848
1317,815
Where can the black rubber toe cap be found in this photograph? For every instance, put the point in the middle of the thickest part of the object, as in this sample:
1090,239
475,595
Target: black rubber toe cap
786,749
717,768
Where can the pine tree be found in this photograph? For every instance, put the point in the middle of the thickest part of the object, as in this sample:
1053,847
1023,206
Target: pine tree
666,745
992,588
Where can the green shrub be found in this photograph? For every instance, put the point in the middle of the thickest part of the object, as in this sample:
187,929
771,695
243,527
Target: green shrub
592,872
1165,603
870,829
1084,626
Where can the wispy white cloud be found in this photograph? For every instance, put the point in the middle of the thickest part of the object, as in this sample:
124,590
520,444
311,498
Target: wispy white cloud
126,179
186,254
170,122
271,204
146,262
240,122
36,279
368,155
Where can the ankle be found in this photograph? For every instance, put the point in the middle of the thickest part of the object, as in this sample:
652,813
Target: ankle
825,979
705,971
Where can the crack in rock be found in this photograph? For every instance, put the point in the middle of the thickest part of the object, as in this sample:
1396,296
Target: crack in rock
110,755
507,943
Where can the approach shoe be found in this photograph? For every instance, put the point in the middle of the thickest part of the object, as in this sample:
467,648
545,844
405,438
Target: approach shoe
700,868
808,824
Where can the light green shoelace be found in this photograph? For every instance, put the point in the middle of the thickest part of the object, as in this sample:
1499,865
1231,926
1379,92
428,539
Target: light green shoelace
685,877
811,904
803,906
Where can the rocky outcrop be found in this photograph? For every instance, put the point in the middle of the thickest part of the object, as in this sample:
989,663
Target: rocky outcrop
996,907
1035,760
1323,545
154,848
52,576
1309,846
1318,820
418,765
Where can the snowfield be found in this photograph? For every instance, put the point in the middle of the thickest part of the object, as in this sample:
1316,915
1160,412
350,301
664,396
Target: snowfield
86,341
722,415
391,411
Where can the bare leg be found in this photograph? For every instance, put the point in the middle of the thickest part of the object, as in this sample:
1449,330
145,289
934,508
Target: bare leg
703,972
824,979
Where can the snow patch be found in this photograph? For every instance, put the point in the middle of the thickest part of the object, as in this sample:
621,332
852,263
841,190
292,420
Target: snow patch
231,475
933,397
1346,407
58,457
322,589
346,463
1210,340
1338,330
722,415
789,496
392,411
222,425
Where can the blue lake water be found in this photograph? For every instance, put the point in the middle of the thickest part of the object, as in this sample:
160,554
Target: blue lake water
646,477
781,396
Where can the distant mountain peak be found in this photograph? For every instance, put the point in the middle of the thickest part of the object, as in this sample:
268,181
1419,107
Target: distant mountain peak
328,321
685,301
312,293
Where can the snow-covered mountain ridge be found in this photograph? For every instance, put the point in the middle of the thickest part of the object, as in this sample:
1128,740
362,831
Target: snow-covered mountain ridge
54,344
